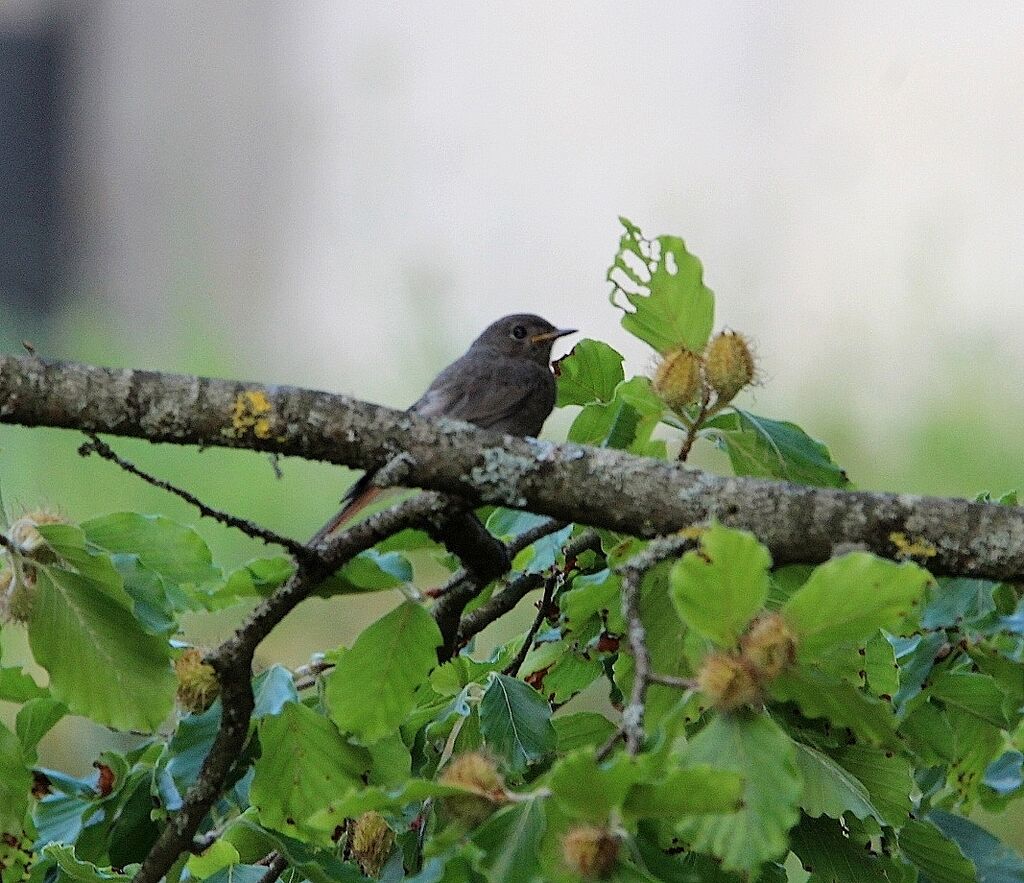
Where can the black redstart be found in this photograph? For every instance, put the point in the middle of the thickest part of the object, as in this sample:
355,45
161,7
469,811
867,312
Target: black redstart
503,382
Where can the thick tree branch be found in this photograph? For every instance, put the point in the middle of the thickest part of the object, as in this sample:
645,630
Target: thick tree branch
604,488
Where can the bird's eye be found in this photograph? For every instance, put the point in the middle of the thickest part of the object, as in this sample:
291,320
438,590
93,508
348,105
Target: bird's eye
519,332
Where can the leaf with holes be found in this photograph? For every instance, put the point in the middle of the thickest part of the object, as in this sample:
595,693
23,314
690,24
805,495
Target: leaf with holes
664,285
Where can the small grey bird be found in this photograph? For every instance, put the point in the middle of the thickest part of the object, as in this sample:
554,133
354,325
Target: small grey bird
503,382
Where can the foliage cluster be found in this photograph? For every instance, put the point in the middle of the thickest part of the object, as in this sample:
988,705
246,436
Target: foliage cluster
851,714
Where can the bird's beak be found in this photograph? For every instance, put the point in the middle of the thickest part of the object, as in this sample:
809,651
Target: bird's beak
552,335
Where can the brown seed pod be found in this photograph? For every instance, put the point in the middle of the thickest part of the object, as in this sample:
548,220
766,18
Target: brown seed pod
197,682
475,772
27,539
728,681
590,851
372,841
729,364
677,379
769,645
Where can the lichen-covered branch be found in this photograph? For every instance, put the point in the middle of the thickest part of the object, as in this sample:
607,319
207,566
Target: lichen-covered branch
600,487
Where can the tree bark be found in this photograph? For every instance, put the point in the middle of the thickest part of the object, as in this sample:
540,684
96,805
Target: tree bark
599,487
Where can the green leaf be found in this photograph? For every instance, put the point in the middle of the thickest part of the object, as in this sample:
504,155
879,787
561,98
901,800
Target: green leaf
666,643
833,856
593,594
72,868
829,789
887,776
516,722
588,374
672,306
626,422
510,841
976,694
371,689
101,662
754,747
255,579
719,588
581,730
305,764
995,862
174,551
219,855
693,790
843,705
369,571
590,790
935,854
17,686
15,783
35,719
767,448
846,600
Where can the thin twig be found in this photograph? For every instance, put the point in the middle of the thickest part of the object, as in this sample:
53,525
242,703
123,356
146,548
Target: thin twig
694,427
306,676
505,600
277,866
97,446
467,582
512,669
632,573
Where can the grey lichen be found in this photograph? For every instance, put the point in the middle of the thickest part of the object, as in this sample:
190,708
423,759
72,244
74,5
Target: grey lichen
500,475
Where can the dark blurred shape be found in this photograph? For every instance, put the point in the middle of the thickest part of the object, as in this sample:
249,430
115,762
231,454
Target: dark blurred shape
30,123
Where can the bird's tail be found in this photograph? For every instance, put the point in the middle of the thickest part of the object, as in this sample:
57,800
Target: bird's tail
360,495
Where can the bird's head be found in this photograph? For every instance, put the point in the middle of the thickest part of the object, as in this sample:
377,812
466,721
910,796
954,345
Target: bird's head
522,334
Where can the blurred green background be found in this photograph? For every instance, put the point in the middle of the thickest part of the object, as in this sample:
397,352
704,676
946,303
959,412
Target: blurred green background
342,196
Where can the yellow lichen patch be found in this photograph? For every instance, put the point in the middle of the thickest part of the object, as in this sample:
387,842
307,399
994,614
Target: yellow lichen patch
912,547
252,412
693,532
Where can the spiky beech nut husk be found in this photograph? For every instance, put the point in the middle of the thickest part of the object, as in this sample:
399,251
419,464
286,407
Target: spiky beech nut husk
6,589
372,840
769,645
21,597
590,851
478,773
729,364
26,537
197,681
728,681
677,378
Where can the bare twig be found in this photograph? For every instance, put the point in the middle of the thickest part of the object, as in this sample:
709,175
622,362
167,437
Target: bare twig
467,582
306,676
694,427
512,669
505,600
97,446
632,573
277,865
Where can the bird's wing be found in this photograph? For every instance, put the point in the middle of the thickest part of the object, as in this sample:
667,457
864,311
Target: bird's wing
496,395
